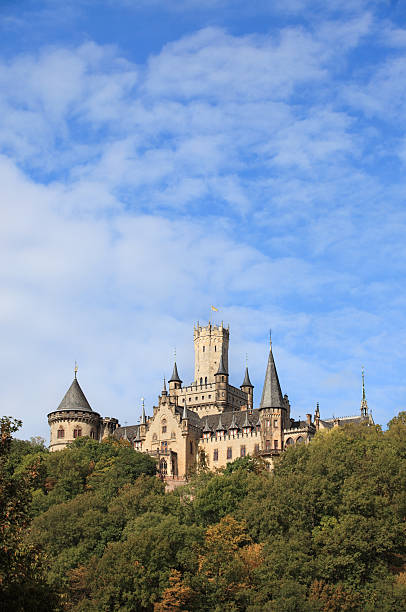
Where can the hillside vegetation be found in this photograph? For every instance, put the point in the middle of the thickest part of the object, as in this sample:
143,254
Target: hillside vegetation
90,528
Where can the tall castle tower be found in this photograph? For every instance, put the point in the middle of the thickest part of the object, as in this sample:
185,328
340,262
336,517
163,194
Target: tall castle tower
211,343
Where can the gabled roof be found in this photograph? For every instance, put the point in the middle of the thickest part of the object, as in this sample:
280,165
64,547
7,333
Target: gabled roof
175,375
271,392
74,399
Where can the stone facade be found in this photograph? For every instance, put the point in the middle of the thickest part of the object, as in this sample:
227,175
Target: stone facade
208,421
74,418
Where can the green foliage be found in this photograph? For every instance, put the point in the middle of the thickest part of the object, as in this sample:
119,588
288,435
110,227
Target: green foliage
22,579
325,531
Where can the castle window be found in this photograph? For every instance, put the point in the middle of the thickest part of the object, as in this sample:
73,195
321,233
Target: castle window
201,380
77,433
196,398
300,440
173,434
61,433
154,437
209,396
223,378
256,449
202,396
275,444
268,445
242,451
163,428
190,399
216,454
92,434
191,447
205,380
204,348
222,394
229,452
275,423
215,348
289,441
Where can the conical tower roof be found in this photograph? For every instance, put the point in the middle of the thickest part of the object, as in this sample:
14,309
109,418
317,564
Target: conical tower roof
222,369
233,424
246,422
175,375
246,381
271,392
74,399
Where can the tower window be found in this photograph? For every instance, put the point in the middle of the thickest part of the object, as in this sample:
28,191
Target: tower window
275,444
204,349
215,348
205,380
275,423
229,452
242,451
163,428
202,397
61,433
191,447
77,433
201,380
216,454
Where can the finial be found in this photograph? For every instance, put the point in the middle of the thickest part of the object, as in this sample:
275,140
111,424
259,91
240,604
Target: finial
174,353
164,384
76,368
270,337
363,383
246,360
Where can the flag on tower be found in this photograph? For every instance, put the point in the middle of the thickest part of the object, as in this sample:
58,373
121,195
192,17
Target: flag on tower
215,309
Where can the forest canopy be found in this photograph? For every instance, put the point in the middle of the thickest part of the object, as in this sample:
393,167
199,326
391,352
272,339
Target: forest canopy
91,528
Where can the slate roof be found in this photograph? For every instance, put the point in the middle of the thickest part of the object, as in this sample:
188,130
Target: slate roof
222,369
175,375
131,430
246,381
227,417
74,399
192,416
271,392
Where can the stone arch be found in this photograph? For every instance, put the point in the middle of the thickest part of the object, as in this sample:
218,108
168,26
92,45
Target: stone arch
289,442
300,440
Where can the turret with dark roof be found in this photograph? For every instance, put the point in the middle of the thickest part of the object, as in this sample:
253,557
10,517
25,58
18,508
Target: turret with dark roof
74,399
175,376
246,381
221,369
271,392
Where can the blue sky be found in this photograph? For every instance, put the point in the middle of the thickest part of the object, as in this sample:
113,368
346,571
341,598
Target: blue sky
158,157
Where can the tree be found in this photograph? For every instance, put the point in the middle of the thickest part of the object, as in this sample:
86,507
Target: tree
22,580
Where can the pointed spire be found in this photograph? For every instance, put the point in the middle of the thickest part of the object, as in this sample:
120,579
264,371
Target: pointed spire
246,381
184,414
164,391
271,392
220,425
175,375
364,404
206,427
317,413
246,422
143,417
74,399
233,424
221,368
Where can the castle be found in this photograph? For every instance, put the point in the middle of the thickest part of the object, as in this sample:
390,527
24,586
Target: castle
208,421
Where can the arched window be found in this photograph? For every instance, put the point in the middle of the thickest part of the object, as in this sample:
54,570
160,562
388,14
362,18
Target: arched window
201,380
215,348
289,441
205,380
61,432
77,432
204,349
300,440
191,447
163,423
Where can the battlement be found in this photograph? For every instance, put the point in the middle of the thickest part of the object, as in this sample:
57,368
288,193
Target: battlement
211,328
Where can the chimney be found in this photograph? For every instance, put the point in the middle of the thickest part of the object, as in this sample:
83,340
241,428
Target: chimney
309,419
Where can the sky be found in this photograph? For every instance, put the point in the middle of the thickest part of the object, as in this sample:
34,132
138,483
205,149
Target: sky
158,157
